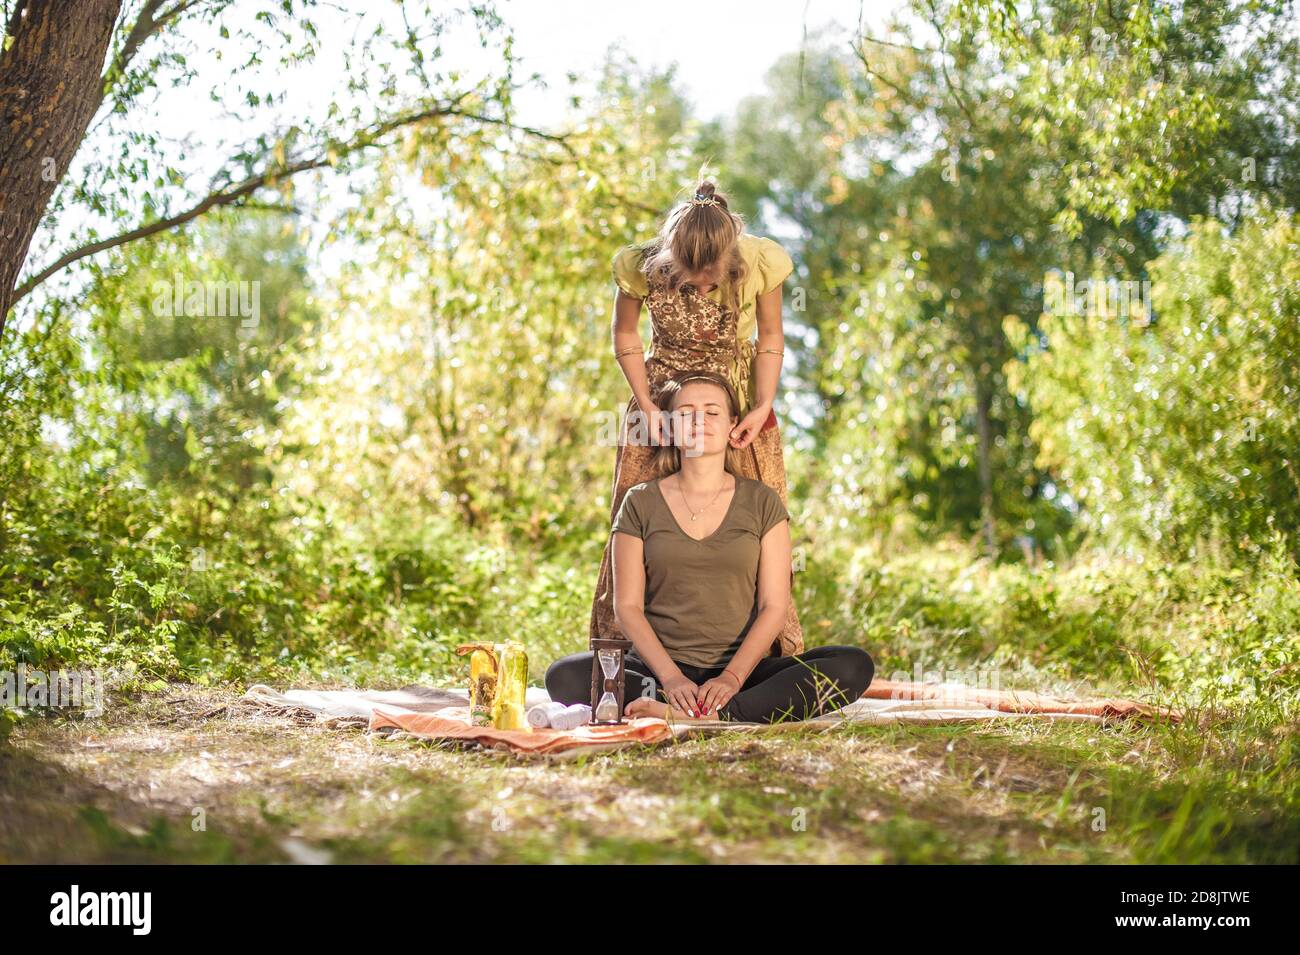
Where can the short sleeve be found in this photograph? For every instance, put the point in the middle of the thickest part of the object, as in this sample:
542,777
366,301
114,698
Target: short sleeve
774,265
627,273
628,519
770,510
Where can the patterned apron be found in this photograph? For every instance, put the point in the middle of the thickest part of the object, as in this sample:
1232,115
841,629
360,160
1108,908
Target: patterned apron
691,332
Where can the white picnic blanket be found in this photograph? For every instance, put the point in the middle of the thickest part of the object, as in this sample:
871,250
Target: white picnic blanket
357,706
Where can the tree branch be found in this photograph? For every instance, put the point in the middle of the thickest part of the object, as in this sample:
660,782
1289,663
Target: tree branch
145,26
943,63
899,46
226,198
235,193
861,54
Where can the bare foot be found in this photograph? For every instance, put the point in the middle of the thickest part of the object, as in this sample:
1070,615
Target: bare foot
662,711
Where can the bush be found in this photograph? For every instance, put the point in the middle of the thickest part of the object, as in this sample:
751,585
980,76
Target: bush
1184,432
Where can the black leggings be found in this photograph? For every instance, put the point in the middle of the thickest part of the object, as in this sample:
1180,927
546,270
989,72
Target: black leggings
779,689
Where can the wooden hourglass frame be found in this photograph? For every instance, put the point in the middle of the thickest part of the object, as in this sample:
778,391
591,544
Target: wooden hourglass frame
614,684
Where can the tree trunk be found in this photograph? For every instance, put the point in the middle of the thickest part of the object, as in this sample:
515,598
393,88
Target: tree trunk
983,410
49,91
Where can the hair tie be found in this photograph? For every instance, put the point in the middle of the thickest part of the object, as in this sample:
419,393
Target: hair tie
704,200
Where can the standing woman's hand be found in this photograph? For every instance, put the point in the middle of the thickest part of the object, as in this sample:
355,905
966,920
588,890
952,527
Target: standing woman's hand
743,434
654,422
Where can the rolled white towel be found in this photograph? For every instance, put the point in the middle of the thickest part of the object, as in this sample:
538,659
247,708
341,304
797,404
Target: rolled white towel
540,716
571,717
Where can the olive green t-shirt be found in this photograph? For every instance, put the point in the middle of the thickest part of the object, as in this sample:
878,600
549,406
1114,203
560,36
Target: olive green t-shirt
701,596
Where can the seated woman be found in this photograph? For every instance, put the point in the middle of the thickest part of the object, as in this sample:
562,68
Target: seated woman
703,607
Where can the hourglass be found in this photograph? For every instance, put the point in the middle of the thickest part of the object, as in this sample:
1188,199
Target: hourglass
608,680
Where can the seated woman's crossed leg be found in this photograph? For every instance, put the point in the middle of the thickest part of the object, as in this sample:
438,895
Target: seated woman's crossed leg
778,689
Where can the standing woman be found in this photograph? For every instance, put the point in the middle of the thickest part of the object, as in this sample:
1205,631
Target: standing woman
709,286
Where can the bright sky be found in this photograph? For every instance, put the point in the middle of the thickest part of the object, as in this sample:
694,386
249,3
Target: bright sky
723,48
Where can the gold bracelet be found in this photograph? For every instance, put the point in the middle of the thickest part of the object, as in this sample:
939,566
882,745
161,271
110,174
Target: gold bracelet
774,351
627,351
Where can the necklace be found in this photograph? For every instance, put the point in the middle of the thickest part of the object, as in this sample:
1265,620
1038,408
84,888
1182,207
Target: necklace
706,506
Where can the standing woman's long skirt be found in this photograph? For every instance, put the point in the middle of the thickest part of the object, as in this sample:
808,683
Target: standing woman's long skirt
763,461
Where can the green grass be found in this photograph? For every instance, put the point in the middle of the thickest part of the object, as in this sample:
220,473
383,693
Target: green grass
127,788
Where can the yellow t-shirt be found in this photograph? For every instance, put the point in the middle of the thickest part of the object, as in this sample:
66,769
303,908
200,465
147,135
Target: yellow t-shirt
768,263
